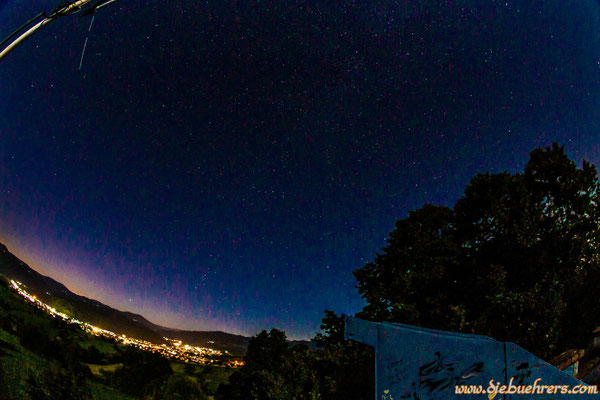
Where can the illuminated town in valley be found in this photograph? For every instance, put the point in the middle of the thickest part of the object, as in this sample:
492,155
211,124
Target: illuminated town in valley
172,349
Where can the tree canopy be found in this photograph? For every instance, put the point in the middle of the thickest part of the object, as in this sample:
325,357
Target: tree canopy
516,258
339,370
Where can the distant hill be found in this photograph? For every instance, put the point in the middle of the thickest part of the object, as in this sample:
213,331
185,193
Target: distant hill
58,296
234,344
42,357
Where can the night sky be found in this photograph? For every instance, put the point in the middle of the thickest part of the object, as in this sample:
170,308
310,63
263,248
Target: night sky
225,165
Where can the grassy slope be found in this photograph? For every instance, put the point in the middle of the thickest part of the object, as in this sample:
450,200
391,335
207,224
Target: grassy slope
209,376
18,364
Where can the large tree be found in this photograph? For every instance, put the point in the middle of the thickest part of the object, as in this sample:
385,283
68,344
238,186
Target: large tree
516,258
345,368
273,371
338,370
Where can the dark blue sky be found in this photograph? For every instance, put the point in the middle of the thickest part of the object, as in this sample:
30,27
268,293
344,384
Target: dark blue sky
227,164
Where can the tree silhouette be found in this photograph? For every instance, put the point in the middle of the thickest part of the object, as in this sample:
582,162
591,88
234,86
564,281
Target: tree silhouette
516,258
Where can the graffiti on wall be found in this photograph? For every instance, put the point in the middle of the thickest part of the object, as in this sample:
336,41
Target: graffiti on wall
414,363
440,374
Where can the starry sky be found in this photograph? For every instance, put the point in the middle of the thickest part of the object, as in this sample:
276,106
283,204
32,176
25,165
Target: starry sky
225,165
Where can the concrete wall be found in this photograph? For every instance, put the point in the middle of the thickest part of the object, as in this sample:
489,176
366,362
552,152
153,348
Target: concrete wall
422,364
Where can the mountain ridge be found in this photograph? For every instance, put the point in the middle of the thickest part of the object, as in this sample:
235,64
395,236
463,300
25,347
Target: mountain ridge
96,313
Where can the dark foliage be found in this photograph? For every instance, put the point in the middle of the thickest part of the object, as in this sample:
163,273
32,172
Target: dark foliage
92,355
260,377
178,387
338,370
6,345
3,394
142,372
53,383
516,258
345,368
333,328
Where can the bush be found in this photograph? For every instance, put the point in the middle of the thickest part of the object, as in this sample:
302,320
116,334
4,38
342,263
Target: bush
179,387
